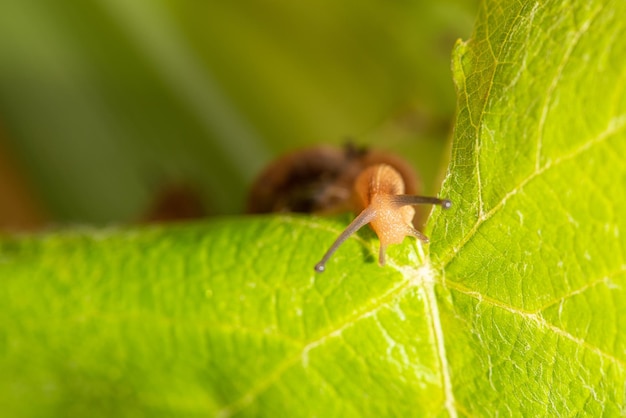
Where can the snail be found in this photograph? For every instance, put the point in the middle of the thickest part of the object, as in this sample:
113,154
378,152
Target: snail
379,192
381,187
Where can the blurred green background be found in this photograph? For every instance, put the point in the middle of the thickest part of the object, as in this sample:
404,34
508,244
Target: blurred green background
105,104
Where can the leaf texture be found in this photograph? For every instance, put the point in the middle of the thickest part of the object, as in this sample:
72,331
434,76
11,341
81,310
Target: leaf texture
533,262
516,308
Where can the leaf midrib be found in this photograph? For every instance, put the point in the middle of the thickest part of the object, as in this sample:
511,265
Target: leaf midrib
415,278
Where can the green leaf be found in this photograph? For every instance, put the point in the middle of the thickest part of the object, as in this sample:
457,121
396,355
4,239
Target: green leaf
212,319
534,265
516,308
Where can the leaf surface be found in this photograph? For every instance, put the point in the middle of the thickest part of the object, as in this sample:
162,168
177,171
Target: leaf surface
533,260
215,319
516,307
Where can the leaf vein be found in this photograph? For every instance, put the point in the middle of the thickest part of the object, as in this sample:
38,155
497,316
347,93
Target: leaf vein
301,356
615,125
554,84
606,280
431,302
538,320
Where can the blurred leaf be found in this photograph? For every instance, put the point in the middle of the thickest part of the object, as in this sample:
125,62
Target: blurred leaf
106,101
517,307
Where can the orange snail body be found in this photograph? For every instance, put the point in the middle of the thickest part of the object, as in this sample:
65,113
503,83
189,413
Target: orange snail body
375,187
326,179
379,193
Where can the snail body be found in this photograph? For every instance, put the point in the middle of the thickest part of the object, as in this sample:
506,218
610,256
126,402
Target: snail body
319,179
379,194
380,188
